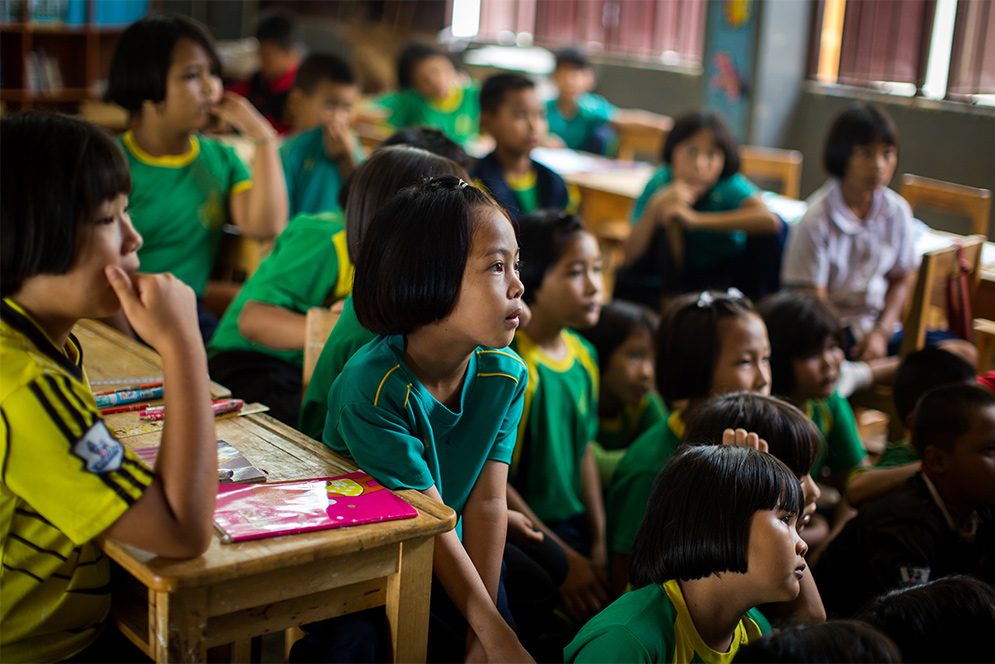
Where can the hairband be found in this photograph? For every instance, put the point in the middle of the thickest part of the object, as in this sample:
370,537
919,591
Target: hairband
706,299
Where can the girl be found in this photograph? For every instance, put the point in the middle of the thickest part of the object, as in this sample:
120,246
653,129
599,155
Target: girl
719,539
165,73
432,94
730,237
259,345
708,344
69,252
554,480
431,404
627,404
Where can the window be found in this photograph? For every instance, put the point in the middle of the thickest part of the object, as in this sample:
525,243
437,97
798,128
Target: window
940,49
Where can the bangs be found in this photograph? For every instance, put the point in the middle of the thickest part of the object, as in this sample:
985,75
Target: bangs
775,487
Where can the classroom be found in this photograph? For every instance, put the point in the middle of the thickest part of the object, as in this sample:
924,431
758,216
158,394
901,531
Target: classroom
514,330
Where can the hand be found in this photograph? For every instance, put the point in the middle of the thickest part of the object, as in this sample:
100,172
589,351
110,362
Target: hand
243,116
686,216
161,308
741,438
872,346
521,530
585,590
664,203
340,142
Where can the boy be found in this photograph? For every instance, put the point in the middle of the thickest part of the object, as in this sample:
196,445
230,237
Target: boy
279,57
938,522
318,160
918,373
514,116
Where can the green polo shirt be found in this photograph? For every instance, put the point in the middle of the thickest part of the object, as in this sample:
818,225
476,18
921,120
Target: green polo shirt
458,116
616,433
834,419
313,180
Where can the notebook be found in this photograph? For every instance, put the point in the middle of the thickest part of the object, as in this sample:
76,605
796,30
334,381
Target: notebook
300,506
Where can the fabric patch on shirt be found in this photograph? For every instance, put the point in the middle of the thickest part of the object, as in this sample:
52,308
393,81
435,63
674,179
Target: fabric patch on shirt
913,575
99,450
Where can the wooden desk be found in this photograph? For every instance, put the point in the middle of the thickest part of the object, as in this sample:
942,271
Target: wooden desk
175,610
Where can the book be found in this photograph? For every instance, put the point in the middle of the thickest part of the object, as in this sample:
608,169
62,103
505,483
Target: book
301,506
233,467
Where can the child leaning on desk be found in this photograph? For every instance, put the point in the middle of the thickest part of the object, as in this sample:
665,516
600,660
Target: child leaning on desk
69,251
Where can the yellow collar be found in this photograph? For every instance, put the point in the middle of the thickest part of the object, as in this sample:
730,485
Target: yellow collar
166,161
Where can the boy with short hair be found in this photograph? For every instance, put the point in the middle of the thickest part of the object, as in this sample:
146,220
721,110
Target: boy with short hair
938,522
318,159
578,116
514,116
279,57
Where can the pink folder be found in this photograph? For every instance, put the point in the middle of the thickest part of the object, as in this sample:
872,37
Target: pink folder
245,512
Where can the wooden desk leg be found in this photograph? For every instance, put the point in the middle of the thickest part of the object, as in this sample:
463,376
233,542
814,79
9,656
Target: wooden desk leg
180,627
408,594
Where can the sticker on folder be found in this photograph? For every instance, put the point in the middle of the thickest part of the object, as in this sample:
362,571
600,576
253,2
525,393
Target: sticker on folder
286,508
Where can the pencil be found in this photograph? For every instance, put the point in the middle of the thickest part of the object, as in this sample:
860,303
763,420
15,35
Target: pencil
124,409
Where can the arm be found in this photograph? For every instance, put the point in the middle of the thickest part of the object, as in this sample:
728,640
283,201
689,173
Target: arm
594,511
661,207
173,516
752,217
261,211
876,482
875,343
806,609
272,326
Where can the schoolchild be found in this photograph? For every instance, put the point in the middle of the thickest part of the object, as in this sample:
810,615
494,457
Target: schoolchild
514,116
937,523
730,238
69,251
368,195
433,403
709,343
432,94
627,402
164,72
279,49
719,539
553,478
324,149
578,116
258,348
918,373
834,641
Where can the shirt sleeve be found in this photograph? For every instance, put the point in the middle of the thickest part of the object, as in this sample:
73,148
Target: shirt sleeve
730,193
504,443
845,449
656,183
806,256
241,179
907,258
611,645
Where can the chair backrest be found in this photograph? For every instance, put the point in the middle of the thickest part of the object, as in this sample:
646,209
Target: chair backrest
935,271
970,202
641,142
772,164
319,323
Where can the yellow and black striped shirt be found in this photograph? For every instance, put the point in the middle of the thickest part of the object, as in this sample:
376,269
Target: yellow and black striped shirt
64,479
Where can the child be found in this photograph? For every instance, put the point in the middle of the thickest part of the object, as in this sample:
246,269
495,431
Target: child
730,237
627,404
938,522
514,116
349,336
707,344
164,72
833,641
69,252
432,94
946,620
553,477
430,404
856,243
258,348
279,57
325,150
719,539
918,373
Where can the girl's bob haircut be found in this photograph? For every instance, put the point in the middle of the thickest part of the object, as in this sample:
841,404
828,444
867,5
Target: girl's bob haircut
690,124
618,320
858,124
143,54
798,325
687,343
385,172
543,236
56,172
791,437
697,521
412,258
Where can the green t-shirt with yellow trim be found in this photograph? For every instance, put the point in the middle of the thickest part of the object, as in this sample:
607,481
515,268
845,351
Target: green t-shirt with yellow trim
834,419
308,267
652,624
179,204
65,480
633,480
457,116
615,434
525,190
559,419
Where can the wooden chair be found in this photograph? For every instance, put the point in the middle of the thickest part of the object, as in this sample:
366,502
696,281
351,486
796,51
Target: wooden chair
640,142
319,325
970,202
984,341
773,165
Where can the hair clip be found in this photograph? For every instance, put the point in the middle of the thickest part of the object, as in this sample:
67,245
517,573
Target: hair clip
463,185
706,299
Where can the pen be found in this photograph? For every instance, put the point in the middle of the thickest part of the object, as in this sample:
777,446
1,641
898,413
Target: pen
121,398
217,407
144,386
124,409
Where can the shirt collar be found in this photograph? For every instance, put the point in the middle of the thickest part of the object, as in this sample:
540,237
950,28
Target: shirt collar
965,535
19,319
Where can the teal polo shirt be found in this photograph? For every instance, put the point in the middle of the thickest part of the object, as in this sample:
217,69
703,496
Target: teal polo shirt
313,180
592,112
